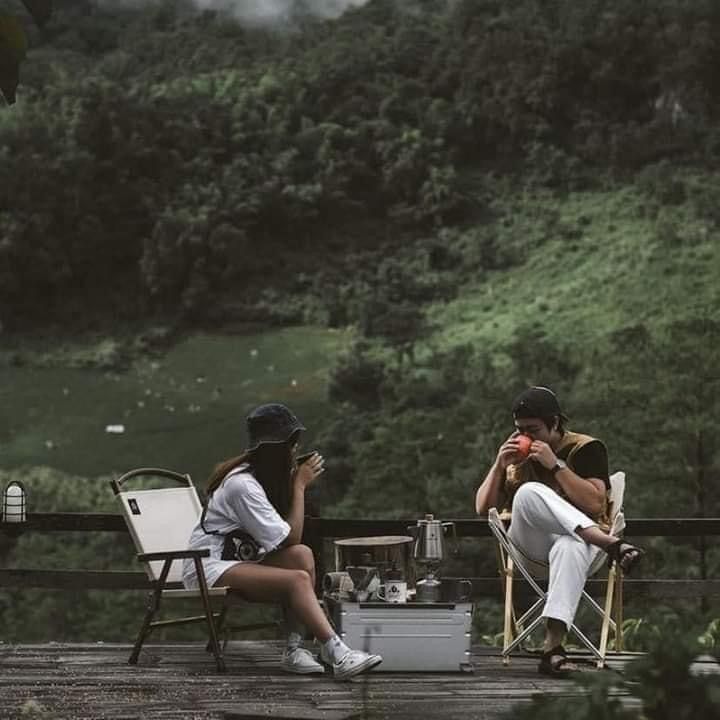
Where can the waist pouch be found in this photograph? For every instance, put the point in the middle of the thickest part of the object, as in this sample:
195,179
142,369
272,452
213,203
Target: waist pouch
239,545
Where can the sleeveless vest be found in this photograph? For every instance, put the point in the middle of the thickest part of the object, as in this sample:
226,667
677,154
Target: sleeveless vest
531,471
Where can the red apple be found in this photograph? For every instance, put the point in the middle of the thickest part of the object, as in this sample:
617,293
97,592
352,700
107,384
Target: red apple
524,443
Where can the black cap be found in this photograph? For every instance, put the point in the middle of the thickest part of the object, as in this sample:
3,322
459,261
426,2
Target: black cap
271,423
537,401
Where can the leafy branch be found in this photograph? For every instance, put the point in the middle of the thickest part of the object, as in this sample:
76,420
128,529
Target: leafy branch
13,44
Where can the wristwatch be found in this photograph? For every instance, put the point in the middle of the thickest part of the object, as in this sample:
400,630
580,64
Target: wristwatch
559,465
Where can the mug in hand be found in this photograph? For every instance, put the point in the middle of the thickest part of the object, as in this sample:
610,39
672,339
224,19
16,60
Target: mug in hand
300,459
524,443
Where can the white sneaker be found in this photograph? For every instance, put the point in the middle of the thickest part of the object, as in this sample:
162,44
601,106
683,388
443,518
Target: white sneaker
301,662
352,663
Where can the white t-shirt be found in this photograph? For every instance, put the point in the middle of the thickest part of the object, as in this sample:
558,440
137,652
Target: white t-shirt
239,503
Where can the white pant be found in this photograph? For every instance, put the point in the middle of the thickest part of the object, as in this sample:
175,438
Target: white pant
544,528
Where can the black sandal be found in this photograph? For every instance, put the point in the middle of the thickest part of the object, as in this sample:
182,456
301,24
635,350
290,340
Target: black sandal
624,554
554,662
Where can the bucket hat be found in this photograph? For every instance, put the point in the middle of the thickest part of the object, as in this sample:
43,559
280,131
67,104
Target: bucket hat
271,423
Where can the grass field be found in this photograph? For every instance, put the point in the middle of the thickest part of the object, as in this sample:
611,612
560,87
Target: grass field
185,410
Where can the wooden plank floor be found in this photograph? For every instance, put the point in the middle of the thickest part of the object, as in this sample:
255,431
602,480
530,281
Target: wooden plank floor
176,681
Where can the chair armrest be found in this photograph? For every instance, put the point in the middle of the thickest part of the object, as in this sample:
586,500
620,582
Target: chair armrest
504,515
174,555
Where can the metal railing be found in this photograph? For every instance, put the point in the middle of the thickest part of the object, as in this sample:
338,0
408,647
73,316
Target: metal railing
320,530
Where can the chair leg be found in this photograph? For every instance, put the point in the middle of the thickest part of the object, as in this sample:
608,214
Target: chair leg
517,625
508,624
619,644
217,652
606,617
153,605
219,624
585,641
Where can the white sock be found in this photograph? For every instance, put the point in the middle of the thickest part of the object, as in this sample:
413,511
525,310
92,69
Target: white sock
335,649
294,641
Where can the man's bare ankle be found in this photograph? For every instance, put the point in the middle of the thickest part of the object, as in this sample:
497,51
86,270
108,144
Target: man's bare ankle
554,634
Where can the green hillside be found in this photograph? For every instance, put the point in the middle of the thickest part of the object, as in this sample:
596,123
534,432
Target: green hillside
591,263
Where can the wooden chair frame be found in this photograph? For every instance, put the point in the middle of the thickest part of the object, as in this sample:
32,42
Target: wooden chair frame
166,583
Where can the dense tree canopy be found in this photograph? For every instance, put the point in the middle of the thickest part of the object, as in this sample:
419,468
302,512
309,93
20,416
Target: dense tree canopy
155,150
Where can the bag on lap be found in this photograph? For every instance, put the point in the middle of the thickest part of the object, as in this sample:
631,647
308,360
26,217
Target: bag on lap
239,545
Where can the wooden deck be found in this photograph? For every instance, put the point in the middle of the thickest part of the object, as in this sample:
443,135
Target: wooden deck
176,681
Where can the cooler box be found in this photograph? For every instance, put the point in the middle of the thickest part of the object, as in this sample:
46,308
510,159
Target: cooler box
417,637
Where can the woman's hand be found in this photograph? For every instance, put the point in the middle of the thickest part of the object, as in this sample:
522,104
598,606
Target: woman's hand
306,473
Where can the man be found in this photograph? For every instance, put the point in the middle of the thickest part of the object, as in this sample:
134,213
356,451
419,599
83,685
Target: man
558,494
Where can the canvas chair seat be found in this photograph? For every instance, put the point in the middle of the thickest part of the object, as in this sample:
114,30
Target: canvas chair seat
160,521
511,559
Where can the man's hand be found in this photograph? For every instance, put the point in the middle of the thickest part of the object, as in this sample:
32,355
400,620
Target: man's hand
306,474
543,453
509,452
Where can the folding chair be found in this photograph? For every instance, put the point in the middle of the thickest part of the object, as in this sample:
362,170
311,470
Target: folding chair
510,558
160,522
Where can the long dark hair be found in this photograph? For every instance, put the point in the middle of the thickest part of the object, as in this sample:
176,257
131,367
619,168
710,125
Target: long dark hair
271,464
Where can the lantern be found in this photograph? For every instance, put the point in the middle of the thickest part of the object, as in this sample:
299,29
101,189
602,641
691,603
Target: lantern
14,502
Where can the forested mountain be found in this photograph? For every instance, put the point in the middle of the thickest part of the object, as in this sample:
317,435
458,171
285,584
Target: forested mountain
490,194
161,159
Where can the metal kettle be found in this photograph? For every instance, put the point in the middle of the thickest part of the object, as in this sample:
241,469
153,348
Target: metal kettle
429,536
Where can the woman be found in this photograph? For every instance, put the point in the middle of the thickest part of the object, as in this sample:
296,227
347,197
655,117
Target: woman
262,494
